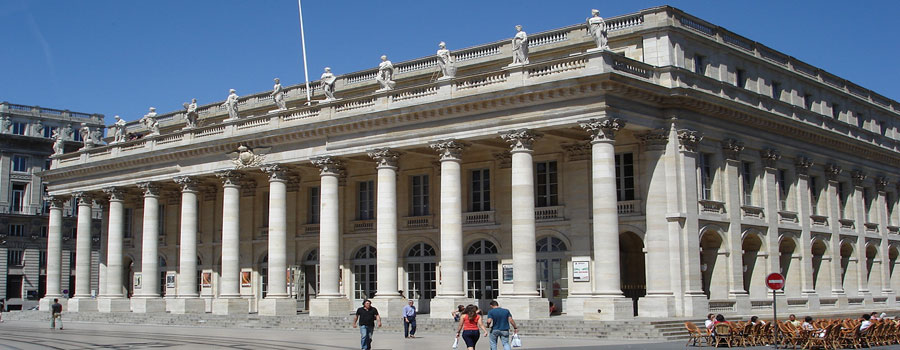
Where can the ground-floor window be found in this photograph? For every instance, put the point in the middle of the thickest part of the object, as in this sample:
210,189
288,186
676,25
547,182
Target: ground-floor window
364,273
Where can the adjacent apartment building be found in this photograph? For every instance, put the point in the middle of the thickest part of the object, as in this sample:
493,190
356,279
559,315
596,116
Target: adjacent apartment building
27,134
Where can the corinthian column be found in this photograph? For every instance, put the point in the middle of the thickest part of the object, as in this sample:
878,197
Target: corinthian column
147,298
230,301
187,300
114,300
82,300
54,253
277,302
524,300
606,279
388,297
329,301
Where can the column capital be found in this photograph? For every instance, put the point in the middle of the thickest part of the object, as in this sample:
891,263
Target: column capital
230,177
520,140
881,183
151,189
832,171
328,165
688,140
83,198
115,194
449,149
277,172
384,157
803,164
732,148
602,129
858,177
187,183
770,157
656,139
56,202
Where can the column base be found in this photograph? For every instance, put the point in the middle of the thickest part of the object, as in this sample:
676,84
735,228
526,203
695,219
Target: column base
45,302
231,306
82,305
608,308
696,305
657,306
329,307
148,305
441,307
186,306
278,307
389,306
107,305
526,308
891,298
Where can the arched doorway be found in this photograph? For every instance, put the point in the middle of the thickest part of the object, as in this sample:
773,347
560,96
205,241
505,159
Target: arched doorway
713,265
364,273
421,276
309,286
752,266
873,269
893,253
551,269
263,268
821,280
848,270
482,276
632,269
790,268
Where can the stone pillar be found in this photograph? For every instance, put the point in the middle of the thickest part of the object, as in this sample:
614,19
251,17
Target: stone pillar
147,300
54,253
187,298
114,300
329,302
524,300
883,222
832,172
731,150
277,301
230,301
387,299
687,225
857,205
607,301
659,301
452,291
804,210
82,300
104,243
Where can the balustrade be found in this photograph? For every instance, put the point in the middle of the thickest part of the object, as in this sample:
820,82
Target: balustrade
549,213
478,218
629,208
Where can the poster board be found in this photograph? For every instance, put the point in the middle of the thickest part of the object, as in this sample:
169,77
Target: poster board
581,270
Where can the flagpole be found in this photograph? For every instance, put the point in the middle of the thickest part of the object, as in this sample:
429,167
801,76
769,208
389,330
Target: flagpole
303,43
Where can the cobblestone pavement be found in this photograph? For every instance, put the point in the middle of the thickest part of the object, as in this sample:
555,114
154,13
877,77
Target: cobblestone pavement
38,335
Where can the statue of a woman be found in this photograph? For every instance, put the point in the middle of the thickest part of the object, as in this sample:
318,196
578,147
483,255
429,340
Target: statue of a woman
118,130
597,28
446,61
278,95
385,74
231,104
59,144
327,82
5,124
520,46
85,133
190,114
150,122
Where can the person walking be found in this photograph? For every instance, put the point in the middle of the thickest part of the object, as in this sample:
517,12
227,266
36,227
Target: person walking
56,313
499,319
469,325
409,320
366,316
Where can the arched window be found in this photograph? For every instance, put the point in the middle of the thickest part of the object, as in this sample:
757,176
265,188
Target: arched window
421,249
482,247
551,244
367,252
313,255
364,274
421,272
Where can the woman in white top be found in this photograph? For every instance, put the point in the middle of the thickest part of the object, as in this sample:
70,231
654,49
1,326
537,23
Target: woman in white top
710,320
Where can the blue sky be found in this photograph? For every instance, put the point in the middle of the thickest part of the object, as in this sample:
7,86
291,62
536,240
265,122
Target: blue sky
121,57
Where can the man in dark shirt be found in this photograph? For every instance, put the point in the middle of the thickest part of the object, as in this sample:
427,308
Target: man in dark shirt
56,313
499,319
366,316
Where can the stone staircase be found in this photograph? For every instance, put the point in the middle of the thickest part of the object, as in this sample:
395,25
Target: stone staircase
566,327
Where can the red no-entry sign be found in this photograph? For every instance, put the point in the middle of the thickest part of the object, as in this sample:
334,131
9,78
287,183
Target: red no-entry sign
775,281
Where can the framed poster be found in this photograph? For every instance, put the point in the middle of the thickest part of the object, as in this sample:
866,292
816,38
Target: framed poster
581,271
245,279
507,273
170,280
137,280
206,279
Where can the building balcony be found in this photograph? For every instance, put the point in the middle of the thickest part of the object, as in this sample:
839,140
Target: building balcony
847,224
629,208
478,218
711,207
819,220
893,229
363,225
418,222
871,227
788,217
310,229
754,212
556,213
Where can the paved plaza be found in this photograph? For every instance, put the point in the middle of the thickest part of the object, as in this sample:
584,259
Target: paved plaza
37,335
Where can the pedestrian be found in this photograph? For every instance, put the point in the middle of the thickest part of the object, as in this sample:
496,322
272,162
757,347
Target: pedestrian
56,313
409,320
499,319
469,325
366,316
459,311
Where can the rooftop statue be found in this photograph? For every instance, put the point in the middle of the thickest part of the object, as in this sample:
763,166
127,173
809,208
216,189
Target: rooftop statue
446,61
231,104
327,82
97,136
385,75
597,29
86,138
58,143
149,121
520,46
67,133
118,130
278,95
37,128
5,125
190,114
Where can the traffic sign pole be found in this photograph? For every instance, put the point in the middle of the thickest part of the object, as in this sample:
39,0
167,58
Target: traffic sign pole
775,281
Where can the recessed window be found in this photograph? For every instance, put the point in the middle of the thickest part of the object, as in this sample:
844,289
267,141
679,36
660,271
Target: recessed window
480,191
20,163
15,257
365,209
860,120
546,194
18,128
740,78
48,131
700,64
748,182
808,101
835,111
706,176
419,192
625,176
776,90
314,202
16,230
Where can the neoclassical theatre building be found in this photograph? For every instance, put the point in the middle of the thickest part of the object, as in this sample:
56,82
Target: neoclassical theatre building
662,175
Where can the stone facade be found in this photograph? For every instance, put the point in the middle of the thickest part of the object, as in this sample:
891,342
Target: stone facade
26,143
664,176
